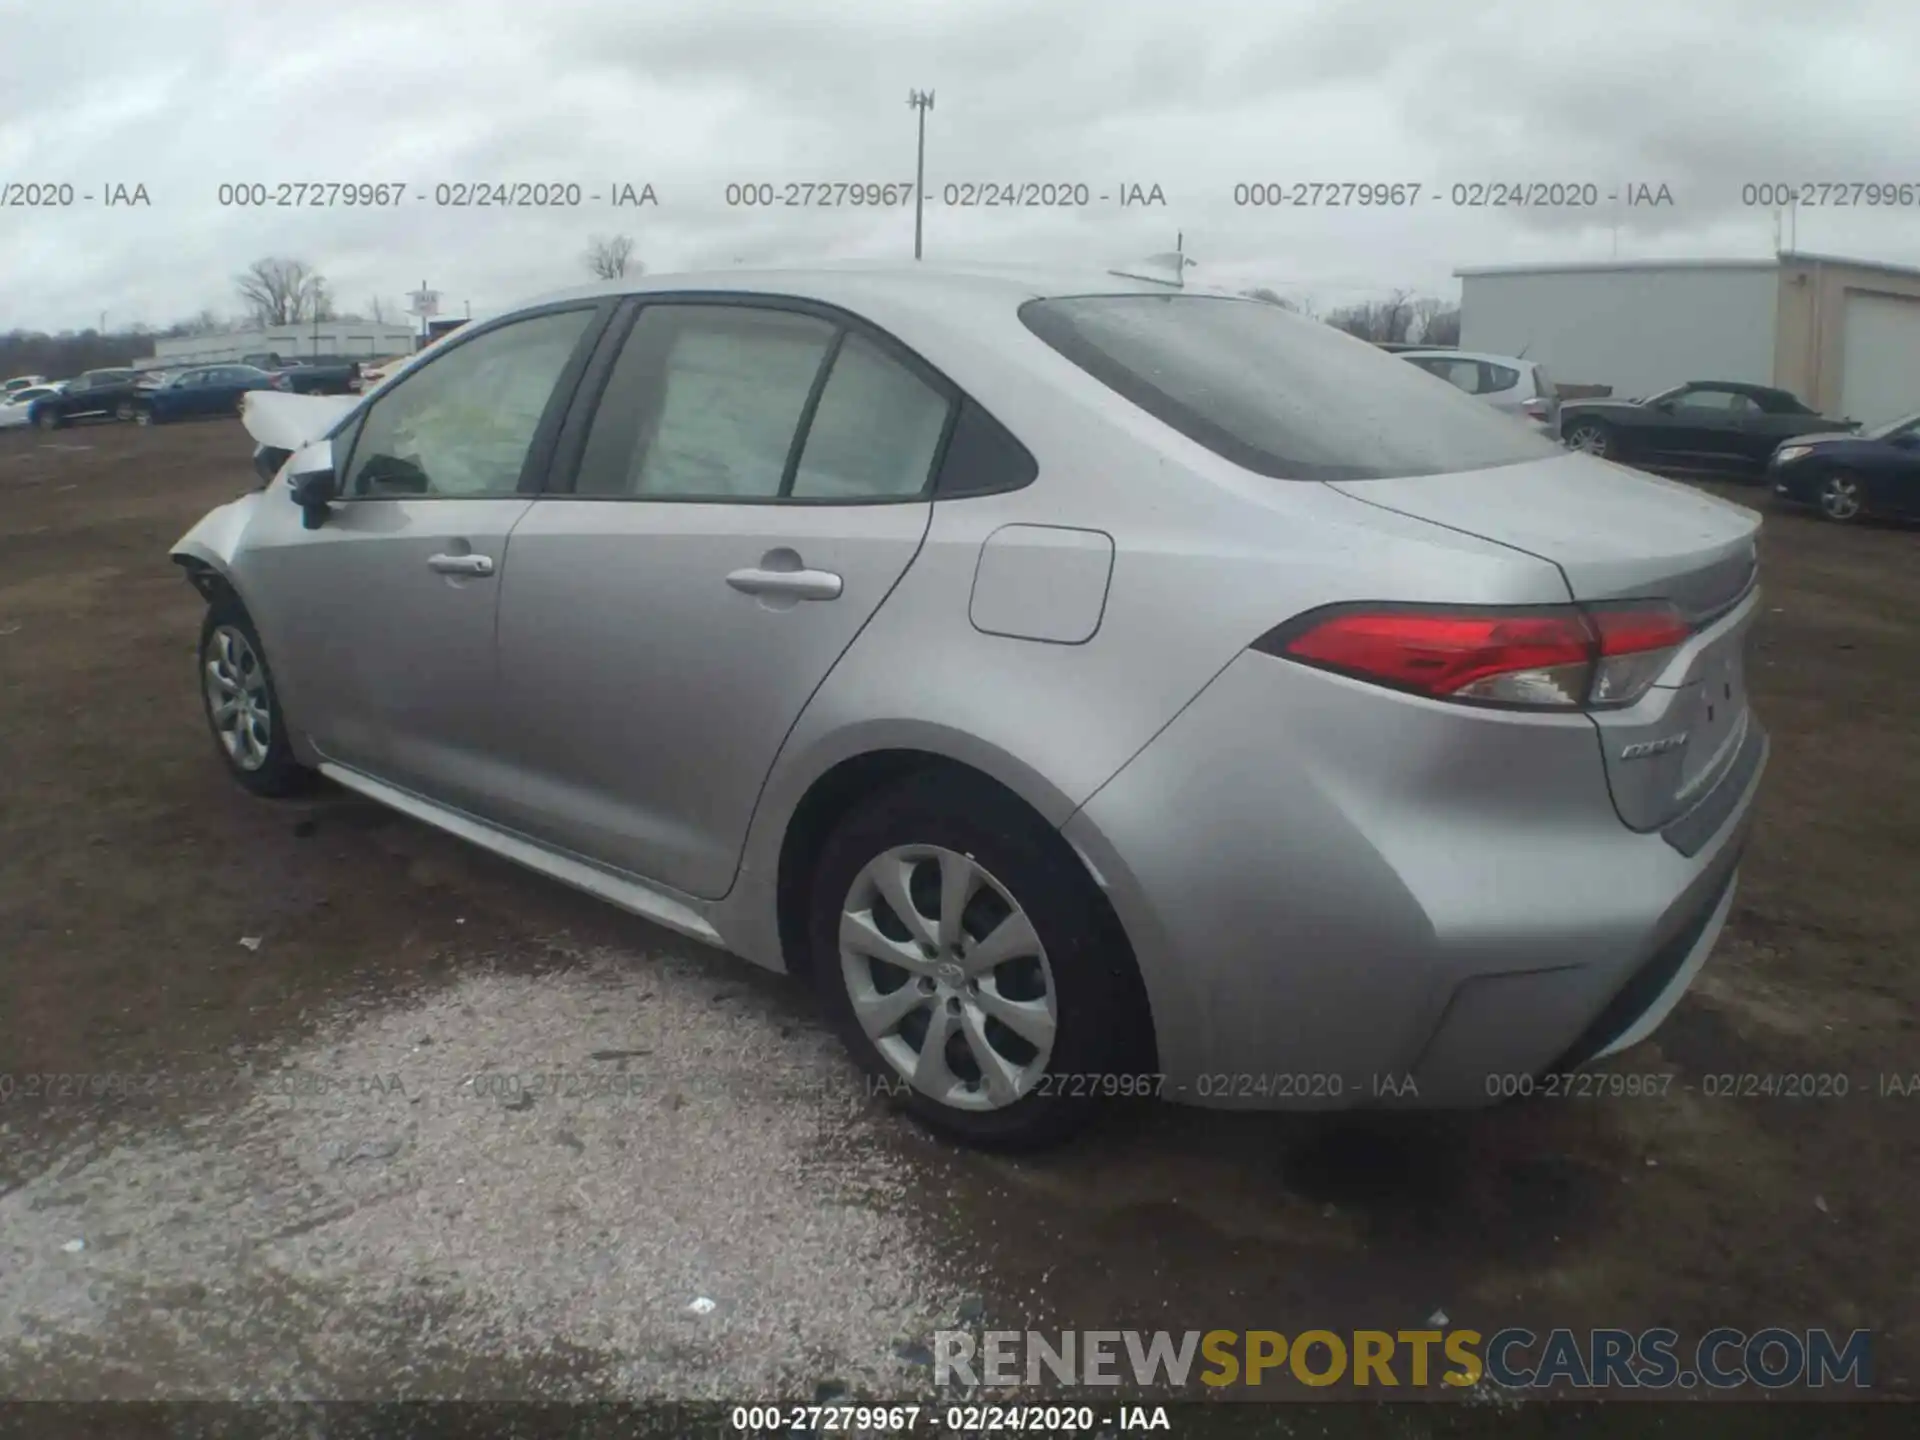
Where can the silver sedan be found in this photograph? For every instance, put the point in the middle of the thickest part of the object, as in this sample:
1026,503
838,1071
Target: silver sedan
1095,687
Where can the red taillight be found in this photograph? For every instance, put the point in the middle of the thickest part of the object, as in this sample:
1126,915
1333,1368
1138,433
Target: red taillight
1537,409
1551,657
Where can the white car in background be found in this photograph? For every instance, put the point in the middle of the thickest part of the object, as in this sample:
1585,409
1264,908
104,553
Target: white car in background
1519,387
12,387
16,407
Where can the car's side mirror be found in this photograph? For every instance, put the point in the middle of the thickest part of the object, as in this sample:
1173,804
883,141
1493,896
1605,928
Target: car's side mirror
392,475
314,492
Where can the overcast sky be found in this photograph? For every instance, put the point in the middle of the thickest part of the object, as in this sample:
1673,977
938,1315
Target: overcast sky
1704,97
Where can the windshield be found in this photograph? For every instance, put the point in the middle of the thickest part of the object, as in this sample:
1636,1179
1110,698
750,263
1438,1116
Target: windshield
1279,394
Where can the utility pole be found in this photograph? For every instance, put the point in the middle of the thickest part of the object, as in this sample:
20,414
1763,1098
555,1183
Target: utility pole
921,100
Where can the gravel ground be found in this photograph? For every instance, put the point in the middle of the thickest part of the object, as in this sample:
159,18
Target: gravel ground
616,1167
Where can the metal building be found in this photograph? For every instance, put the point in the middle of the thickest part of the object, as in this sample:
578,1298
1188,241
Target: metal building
1843,335
352,339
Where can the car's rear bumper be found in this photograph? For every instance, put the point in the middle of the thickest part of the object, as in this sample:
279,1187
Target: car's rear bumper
1332,889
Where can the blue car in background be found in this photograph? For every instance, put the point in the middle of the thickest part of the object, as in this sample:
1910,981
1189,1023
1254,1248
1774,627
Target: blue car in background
1845,476
209,390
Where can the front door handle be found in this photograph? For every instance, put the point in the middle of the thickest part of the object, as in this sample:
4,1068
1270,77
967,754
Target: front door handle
461,564
800,584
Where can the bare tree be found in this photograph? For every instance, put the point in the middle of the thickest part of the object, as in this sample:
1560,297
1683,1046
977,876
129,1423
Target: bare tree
1394,316
377,310
1442,327
284,292
610,257
1381,321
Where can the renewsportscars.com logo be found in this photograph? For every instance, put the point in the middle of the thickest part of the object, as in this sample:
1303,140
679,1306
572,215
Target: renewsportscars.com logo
1724,1359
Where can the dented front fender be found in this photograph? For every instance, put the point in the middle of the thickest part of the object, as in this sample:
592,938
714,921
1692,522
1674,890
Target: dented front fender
213,543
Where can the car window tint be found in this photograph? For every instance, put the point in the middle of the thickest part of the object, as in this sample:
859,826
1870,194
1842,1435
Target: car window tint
1276,393
1461,374
462,425
704,403
1497,377
875,431
1709,399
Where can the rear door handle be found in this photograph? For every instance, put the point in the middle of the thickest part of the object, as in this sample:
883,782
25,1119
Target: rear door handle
800,584
461,564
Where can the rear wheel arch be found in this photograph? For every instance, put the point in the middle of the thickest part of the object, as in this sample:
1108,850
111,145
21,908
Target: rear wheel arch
846,787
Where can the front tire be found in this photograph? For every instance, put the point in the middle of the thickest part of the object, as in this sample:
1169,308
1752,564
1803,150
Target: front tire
125,410
960,950
1592,437
242,706
1842,497
48,420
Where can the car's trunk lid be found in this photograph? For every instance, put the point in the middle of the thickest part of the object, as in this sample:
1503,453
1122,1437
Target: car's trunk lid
1616,534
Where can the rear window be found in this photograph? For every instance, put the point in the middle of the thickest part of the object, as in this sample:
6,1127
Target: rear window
1277,393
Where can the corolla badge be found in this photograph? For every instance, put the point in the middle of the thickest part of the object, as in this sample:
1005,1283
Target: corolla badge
1653,747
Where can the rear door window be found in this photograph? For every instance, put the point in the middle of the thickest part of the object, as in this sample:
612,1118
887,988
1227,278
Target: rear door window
1277,393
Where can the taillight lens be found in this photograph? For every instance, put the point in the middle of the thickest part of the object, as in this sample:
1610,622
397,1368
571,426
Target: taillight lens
1534,657
1537,409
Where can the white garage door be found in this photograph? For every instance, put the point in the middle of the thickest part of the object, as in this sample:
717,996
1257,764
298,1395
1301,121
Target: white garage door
1880,370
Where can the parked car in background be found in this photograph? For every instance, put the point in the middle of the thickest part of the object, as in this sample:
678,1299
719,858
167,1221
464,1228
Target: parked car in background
92,395
1704,423
1406,705
1520,388
212,390
19,383
16,408
322,376
1850,474
376,371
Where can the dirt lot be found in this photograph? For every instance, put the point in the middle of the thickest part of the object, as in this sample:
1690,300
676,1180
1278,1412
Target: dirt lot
238,1238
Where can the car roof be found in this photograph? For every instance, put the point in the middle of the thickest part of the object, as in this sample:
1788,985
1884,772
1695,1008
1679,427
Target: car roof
951,293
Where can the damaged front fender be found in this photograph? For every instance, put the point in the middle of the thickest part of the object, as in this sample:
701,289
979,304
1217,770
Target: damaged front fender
206,551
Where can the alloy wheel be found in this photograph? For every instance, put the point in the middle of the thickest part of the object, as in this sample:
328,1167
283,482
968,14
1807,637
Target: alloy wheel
123,411
1590,438
237,698
948,977
1840,497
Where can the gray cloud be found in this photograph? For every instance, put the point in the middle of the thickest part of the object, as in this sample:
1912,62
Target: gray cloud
689,96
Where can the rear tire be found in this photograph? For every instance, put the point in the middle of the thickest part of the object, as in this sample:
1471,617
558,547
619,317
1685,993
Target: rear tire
48,420
1024,968
1841,497
1592,436
242,707
125,410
